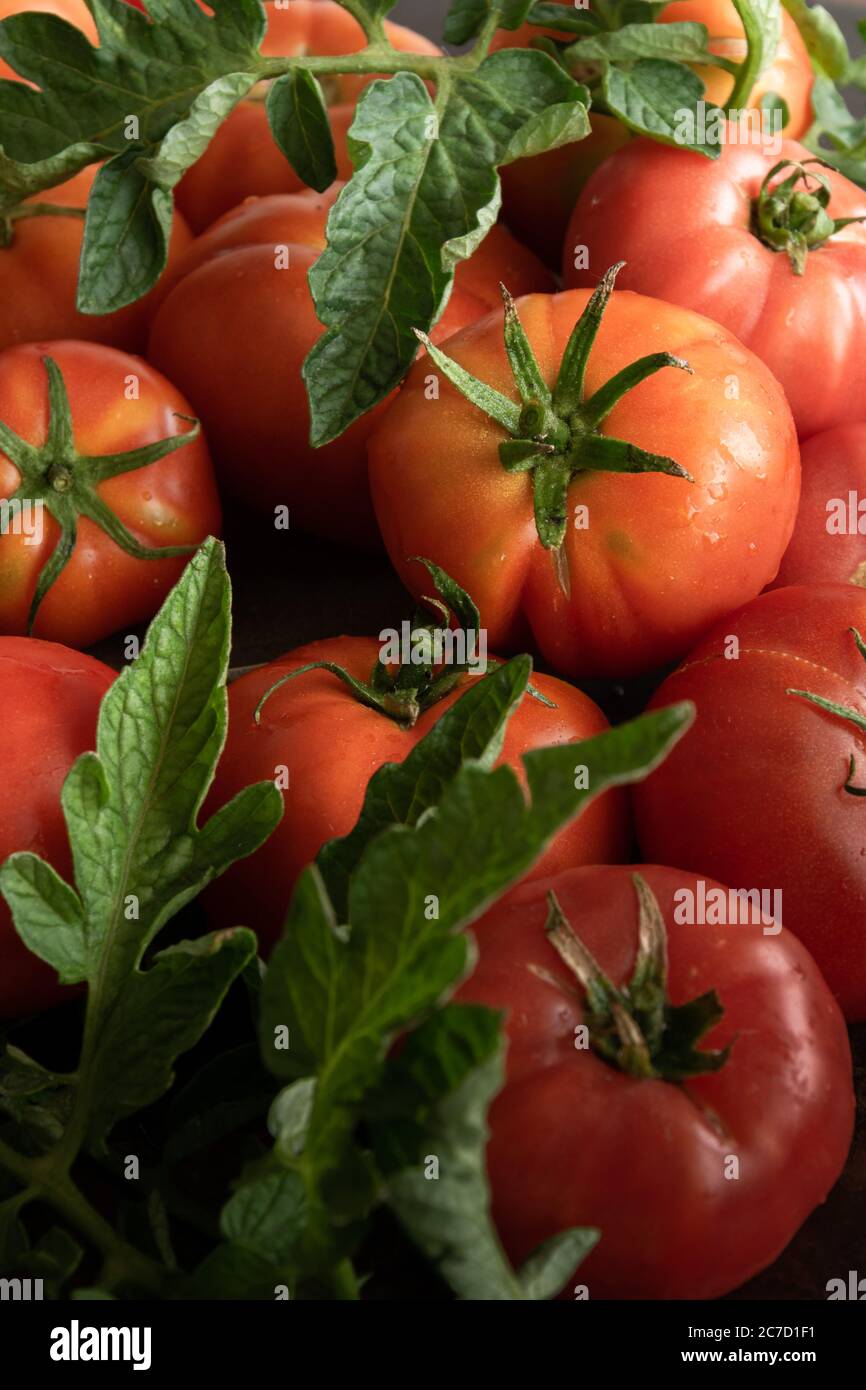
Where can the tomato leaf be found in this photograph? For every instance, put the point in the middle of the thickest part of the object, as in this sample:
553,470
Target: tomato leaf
299,122
822,36
139,857
681,42
146,83
433,1158
652,96
467,18
424,194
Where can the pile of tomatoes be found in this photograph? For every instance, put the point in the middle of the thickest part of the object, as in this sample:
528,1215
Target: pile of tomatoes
728,572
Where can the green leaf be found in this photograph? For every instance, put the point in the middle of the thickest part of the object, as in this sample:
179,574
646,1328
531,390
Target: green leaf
467,18
681,42
267,1216
654,97
549,1268
399,793
126,236
299,122
131,810
234,1272
821,35
159,1014
436,1181
424,194
762,22
558,125
186,71
568,21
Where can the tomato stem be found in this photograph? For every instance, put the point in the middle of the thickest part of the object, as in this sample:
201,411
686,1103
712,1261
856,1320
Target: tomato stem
556,433
792,217
847,712
636,1028
66,483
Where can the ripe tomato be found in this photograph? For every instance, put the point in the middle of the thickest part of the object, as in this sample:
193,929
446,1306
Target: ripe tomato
538,194
829,540
73,11
50,698
650,560
118,403
242,159
711,257
39,278
756,792
789,76
304,722
696,1186
234,332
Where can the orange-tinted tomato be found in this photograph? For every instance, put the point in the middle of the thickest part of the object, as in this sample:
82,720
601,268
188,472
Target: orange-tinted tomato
652,559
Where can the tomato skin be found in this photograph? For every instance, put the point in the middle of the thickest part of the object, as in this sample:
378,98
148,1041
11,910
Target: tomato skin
708,259
307,720
661,558
242,160
574,1142
39,278
50,698
234,333
754,794
834,465
171,502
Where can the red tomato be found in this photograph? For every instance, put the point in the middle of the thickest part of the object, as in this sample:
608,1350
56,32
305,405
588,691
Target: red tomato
242,159
755,793
50,698
829,540
538,194
234,333
710,259
73,11
652,559
171,502
575,1141
39,278
303,724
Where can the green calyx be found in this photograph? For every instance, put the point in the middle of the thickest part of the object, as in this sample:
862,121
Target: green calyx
792,215
636,1029
853,716
64,482
403,690
556,434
